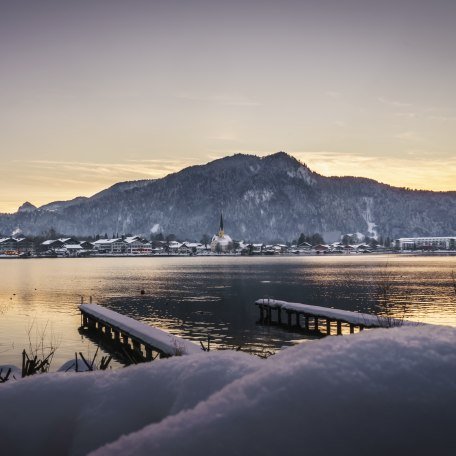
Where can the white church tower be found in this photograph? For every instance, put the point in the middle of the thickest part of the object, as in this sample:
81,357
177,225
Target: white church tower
221,242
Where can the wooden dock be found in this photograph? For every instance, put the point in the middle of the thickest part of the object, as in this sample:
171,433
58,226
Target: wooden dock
143,339
316,318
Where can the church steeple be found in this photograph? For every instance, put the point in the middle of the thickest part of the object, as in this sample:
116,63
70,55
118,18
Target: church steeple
221,231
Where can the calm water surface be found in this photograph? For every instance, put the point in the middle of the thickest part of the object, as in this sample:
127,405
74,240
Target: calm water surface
199,296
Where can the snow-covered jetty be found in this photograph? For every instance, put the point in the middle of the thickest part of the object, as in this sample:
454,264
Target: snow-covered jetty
313,314
143,337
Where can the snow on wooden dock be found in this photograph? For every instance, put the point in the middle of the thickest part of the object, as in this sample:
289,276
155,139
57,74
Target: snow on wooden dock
149,336
363,320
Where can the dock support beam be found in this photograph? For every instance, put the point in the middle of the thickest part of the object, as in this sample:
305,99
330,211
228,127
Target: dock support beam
317,319
136,346
328,326
289,317
339,328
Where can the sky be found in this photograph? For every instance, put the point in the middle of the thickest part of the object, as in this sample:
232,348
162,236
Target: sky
95,92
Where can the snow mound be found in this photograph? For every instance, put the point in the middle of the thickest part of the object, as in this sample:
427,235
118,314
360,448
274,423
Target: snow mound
73,413
382,392
385,391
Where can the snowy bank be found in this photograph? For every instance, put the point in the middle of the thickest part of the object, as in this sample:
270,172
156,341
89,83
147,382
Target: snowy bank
385,391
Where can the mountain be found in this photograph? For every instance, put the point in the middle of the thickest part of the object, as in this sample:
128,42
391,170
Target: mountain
271,198
60,205
27,207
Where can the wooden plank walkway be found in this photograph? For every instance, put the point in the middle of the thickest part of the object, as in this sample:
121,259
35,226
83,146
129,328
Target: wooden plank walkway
311,316
143,338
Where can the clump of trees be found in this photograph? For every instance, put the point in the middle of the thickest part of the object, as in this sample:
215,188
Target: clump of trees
205,239
312,239
350,239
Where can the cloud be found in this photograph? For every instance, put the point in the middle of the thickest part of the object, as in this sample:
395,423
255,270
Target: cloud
415,168
443,118
409,136
43,181
395,103
333,94
126,170
406,115
220,99
420,172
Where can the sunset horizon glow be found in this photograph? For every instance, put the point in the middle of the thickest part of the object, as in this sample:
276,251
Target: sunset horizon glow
97,93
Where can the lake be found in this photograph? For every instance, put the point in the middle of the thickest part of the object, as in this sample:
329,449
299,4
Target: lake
199,296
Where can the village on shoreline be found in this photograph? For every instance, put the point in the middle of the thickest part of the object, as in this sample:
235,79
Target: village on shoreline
220,245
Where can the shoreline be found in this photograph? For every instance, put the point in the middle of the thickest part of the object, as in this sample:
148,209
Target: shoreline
238,255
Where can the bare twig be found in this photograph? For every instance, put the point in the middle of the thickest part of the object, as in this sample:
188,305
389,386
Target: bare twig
4,378
39,357
393,309
91,366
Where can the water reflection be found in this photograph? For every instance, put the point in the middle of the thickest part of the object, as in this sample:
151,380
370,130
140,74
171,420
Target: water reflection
197,297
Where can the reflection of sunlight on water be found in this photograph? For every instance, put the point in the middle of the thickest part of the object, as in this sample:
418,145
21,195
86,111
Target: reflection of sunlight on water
202,298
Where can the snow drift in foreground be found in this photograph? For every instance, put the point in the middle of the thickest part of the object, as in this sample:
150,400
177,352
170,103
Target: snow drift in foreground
385,391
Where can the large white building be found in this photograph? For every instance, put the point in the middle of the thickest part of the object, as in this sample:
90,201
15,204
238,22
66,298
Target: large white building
110,245
138,246
427,243
221,242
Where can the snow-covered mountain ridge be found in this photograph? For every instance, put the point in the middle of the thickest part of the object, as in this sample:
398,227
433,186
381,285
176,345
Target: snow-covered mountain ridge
270,198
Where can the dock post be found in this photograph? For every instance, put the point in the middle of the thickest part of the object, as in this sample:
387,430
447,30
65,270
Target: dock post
148,353
279,315
298,322
124,339
306,322
136,345
316,324
289,317
352,328
328,327
261,313
116,335
361,328
339,328
269,315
